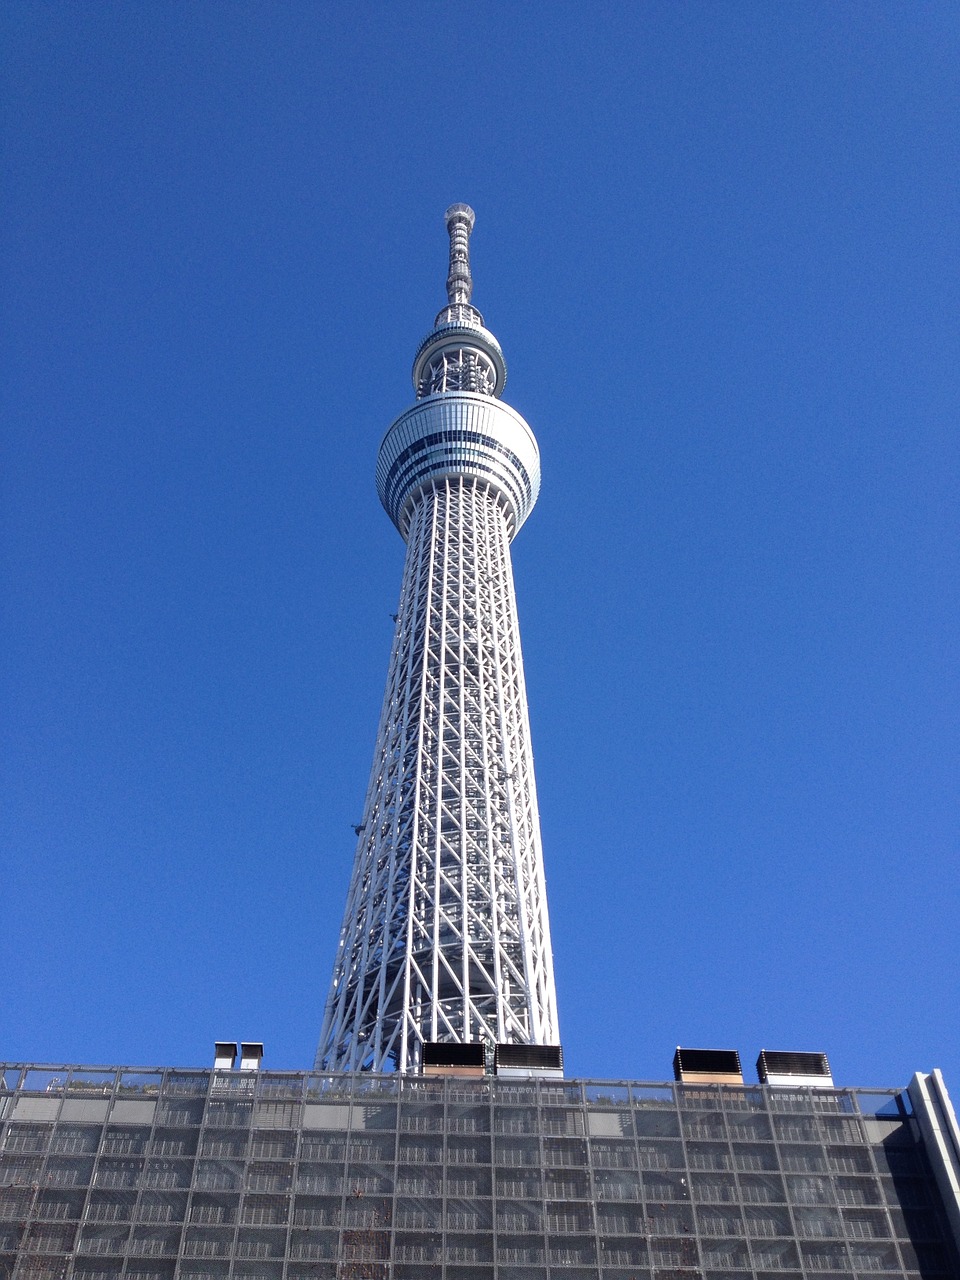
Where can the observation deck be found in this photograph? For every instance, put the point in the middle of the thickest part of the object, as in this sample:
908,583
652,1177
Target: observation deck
459,428
459,433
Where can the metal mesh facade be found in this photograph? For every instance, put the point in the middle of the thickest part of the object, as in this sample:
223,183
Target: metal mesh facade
205,1175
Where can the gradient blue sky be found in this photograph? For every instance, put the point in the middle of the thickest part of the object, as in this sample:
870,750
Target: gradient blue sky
719,245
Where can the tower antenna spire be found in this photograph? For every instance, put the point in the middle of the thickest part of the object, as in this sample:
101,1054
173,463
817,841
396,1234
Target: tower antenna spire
459,219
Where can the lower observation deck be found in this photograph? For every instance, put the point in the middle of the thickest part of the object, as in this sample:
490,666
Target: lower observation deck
206,1175
459,434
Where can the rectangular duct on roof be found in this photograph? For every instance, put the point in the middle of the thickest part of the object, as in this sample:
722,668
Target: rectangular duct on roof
526,1060
707,1066
442,1059
224,1055
780,1069
251,1056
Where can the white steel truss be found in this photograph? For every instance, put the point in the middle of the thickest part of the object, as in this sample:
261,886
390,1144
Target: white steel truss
445,934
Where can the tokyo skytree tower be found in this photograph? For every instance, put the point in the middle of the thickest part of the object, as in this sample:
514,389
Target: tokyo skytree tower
445,935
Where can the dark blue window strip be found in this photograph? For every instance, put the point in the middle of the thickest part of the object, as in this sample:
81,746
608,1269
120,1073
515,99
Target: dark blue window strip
410,479
455,437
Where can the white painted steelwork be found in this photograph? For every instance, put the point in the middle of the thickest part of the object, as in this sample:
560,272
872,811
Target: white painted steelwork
445,935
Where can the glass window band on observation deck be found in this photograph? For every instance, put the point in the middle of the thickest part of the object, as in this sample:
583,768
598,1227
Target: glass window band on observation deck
459,433
404,473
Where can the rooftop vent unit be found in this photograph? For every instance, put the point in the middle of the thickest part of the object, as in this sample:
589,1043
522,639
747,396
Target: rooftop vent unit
442,1059
707,1066
251,1056
786,1069
523,1061
224,1055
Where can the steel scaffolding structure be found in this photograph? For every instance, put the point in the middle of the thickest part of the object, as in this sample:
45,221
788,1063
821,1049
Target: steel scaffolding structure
445,934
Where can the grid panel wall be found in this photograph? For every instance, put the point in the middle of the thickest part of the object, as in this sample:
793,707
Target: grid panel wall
270,1176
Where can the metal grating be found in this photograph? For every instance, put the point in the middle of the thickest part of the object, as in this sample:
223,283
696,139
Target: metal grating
484,1179
776,1063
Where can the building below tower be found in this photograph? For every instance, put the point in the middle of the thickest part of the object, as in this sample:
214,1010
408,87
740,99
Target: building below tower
173,1174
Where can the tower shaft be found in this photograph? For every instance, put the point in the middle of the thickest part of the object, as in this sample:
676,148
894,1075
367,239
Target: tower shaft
445,935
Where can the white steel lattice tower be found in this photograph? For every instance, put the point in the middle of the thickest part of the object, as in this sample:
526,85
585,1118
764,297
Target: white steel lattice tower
445,935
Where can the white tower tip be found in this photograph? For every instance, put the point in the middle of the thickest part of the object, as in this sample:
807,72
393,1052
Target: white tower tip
459,219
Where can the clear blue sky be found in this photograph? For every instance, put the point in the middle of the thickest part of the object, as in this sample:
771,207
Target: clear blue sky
719,245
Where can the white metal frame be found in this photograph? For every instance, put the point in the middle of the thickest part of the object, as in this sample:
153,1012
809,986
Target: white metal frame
445,934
